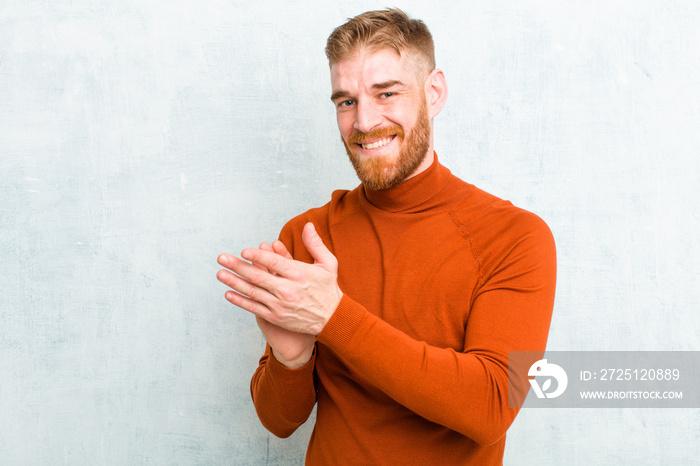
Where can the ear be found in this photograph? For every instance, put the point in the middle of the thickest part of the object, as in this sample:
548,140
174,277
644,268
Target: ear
435,92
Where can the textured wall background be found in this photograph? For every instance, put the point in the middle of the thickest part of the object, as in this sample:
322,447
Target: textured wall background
139,139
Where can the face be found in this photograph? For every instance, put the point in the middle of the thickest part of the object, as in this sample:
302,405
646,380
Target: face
382,116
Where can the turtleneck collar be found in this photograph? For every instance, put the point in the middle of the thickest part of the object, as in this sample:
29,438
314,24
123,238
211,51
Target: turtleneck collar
412,194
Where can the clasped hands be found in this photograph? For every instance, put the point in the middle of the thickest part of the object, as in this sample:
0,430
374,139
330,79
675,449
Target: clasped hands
293,296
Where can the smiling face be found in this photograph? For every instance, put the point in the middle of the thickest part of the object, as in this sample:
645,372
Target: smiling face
383,115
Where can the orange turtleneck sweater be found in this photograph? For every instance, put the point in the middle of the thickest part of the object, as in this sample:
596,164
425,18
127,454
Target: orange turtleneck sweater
440,280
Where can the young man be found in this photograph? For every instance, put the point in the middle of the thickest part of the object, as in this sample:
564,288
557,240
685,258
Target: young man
395,305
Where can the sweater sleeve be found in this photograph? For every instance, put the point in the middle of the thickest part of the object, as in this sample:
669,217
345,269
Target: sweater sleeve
465,391
283,397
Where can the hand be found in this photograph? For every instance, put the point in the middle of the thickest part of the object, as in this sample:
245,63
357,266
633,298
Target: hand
290,294
291,349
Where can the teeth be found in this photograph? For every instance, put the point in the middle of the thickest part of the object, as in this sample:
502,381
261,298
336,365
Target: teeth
374,145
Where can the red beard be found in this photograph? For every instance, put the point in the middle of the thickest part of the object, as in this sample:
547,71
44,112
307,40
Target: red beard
383,172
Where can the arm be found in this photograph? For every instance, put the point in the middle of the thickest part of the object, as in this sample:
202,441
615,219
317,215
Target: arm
464,391
282,386
283,397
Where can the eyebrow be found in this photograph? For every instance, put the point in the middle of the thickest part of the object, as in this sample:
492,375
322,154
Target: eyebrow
339,94
387,84
383,85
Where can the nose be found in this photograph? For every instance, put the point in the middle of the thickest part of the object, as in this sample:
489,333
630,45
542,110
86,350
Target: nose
368,117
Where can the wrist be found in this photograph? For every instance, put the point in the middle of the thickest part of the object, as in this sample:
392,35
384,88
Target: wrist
297,362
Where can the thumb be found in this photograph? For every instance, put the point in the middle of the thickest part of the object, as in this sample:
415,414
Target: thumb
318,250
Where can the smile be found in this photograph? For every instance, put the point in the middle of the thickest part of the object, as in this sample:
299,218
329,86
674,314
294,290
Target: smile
379,143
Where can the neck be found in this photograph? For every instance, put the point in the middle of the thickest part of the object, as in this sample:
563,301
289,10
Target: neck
413,193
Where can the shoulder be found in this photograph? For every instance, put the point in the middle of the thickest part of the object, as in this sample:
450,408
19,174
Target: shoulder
483,211
343,203
499,230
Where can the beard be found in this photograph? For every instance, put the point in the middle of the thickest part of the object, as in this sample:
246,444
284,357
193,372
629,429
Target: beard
387,172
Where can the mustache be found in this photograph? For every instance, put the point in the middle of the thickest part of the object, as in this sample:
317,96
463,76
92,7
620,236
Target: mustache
360,137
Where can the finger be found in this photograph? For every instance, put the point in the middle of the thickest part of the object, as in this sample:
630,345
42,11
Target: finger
279,247
227,260
318,250
245,303
256,275
265,247
273,262
246,287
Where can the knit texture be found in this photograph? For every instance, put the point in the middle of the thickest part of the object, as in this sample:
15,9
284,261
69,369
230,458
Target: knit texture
440,280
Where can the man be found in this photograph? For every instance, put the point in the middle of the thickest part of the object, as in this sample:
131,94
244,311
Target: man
395,305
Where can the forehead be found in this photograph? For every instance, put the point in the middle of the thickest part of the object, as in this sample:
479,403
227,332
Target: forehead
366,67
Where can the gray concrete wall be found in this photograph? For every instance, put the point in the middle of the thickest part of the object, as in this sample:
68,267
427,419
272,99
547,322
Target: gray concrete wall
139,139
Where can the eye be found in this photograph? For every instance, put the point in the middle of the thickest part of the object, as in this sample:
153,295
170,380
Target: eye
386,95
346,103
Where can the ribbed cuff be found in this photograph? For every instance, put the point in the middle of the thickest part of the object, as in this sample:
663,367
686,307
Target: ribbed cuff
343,324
